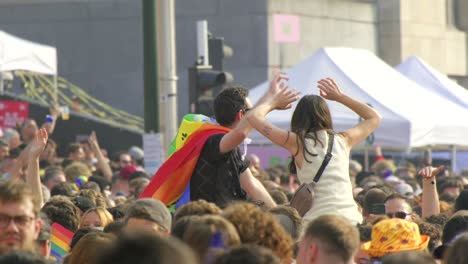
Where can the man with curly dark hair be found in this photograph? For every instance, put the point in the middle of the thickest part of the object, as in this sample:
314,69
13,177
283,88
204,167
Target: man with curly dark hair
431,230
59,209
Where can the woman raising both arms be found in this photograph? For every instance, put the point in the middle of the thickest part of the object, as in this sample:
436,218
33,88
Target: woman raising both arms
307,141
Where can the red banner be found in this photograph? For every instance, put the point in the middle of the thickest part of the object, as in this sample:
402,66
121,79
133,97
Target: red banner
12,112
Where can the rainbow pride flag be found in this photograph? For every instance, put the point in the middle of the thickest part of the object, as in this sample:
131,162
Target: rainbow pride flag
60,241
171,181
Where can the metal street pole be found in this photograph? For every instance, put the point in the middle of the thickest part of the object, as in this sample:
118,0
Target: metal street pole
150,59
167,70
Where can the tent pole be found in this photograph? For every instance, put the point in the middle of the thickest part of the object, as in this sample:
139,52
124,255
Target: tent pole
453,158
366,158
55,90
427,157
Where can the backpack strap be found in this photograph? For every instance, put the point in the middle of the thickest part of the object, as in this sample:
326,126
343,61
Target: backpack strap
327,158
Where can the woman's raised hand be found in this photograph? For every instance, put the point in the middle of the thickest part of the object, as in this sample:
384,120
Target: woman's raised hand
278,82
284,97
329,89
280,94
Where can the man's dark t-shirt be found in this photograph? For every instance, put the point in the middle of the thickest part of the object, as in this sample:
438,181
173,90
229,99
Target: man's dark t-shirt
216,176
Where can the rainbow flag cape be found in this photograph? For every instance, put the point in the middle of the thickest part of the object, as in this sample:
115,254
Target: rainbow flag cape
60,241
171,182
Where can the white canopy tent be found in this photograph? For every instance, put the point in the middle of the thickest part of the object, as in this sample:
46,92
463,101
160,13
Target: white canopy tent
411,115
438,83
20,54
422,73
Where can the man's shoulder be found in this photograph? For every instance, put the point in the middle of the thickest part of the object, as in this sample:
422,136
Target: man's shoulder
216,138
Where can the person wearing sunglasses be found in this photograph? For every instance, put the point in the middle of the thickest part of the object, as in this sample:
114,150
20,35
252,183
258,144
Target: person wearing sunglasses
396,206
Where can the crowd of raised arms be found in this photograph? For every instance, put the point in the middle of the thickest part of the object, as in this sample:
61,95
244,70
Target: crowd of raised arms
91,207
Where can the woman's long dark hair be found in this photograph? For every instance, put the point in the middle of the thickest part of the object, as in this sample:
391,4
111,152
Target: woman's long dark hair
311,115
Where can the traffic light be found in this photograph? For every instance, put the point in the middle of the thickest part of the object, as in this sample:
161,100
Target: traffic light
218,51
203,82
209,79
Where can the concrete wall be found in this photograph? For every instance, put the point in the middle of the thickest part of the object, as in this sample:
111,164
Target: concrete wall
247,27
461,14
100,42
243,25
324,23
422,28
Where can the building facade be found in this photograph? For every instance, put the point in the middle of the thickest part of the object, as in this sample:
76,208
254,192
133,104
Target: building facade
100,42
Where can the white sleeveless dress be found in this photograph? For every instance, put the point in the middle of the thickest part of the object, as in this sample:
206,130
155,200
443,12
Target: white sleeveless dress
333,193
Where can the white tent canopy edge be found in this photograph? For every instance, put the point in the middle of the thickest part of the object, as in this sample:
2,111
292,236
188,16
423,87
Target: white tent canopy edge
436,82
20,54
410,119
422,73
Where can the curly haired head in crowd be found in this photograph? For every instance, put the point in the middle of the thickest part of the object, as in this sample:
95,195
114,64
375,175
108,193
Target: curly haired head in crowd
433,231
59,209
257,227
96,197
199,207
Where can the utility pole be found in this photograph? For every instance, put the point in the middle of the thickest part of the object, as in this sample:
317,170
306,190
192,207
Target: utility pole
167,70
150,58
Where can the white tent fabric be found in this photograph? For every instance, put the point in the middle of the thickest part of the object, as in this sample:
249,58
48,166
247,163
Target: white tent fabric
412,117
20,54
426,76
431,79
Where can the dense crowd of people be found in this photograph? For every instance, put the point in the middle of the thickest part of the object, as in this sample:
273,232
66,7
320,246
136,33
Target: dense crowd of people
238,212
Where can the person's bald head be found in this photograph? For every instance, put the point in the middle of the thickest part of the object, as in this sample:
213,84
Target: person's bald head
254,161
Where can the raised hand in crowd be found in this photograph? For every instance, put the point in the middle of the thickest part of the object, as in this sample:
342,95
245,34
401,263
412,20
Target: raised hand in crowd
279,95
49,124
102,163
329,90
429,172
34,152
16,171
430,197
38,144
92,140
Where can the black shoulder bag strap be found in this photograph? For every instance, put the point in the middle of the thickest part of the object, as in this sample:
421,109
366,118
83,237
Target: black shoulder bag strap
327,158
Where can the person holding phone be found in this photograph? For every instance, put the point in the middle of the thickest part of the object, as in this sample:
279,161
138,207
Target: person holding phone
311,127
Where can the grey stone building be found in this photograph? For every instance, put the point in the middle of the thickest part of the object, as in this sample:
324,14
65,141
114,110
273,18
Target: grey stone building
100,42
